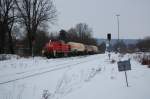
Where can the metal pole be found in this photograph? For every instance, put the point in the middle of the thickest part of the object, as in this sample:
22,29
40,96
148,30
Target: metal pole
126,77
109,50
118,25
118,32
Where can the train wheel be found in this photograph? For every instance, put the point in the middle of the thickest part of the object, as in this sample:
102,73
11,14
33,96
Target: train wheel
48,55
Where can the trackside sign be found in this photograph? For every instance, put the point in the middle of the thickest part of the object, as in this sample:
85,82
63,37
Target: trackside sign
124,65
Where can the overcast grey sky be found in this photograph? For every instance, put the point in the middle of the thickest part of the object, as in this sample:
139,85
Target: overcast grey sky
100,16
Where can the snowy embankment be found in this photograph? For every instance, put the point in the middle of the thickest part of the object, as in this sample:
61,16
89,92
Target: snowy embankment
85,77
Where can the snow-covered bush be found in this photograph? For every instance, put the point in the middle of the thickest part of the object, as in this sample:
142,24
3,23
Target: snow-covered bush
112,61
45,94
143,58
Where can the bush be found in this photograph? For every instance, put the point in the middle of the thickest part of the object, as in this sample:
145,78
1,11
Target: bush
112,61
145,60
144,45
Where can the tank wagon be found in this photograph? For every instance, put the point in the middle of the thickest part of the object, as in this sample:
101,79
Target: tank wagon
94,49
76,48
91,49
88,49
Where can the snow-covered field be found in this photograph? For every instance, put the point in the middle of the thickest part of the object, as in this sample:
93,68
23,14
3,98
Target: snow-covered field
83,77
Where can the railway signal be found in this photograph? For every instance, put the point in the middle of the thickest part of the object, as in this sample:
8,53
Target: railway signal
109,36
109,47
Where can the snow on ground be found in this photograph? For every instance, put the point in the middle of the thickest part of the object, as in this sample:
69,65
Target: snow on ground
83,77
110,84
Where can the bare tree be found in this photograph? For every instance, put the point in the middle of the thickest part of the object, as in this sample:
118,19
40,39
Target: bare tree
7,19
72,35
84,33
81,33
34,13
83,30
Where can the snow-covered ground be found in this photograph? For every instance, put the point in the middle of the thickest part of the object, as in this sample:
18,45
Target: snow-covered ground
83,77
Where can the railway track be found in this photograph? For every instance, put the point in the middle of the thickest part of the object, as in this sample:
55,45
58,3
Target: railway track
61,62
40,71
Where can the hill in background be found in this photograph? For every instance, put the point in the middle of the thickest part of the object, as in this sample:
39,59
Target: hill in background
113,41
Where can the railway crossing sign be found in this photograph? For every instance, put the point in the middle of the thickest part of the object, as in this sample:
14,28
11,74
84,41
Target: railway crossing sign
124,66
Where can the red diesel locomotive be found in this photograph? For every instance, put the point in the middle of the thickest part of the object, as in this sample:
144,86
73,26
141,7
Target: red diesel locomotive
55,48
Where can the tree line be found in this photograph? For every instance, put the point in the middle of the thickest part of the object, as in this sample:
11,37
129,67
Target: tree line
142,45
81,33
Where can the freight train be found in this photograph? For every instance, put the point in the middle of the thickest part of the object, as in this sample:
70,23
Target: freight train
60,48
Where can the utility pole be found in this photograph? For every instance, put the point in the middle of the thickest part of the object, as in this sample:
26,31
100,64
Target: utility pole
118,25
118,31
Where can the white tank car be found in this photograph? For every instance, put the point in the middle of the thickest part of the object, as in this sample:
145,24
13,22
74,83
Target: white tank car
94,49
76,47
88,48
